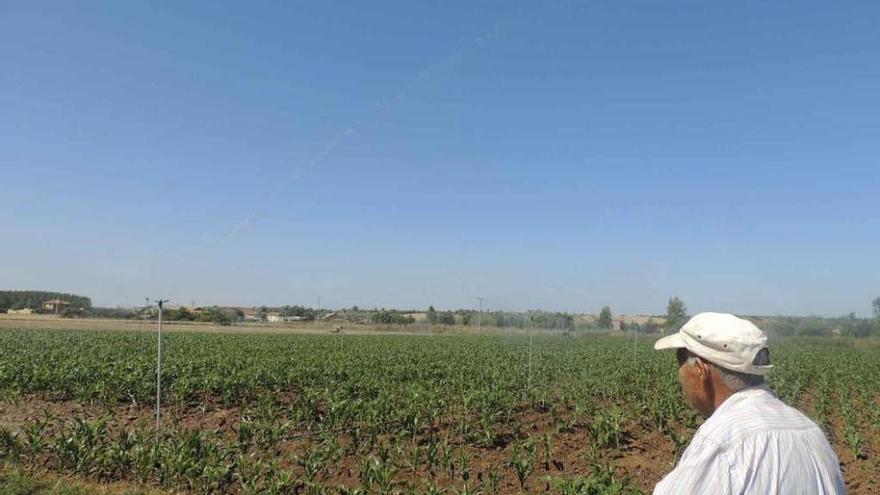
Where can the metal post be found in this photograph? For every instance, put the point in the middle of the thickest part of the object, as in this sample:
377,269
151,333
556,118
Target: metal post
159,374
480,318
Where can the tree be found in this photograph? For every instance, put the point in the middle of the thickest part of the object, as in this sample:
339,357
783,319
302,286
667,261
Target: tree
212,315
856,327
605,320
432,315
182,314
446,318
466,318
876,304
676,313
391,317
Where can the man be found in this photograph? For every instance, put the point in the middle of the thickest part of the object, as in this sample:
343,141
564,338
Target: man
750,443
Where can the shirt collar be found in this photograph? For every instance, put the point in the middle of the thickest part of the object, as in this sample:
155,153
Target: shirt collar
741,395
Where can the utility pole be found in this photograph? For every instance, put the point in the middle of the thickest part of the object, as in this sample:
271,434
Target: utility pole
480,318
159,372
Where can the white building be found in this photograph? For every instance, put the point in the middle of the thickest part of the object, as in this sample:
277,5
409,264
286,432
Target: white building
277,318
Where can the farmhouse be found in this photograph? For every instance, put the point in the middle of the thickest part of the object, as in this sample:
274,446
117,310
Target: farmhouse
55,305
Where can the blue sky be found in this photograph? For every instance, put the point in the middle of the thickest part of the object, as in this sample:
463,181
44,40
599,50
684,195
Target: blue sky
558,155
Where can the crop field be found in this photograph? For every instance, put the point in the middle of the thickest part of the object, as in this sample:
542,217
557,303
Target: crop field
350,414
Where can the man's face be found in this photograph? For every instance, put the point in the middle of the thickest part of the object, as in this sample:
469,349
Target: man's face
695,382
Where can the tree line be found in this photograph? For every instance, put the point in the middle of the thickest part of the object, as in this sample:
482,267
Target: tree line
785,326
501,319
34,299
676,315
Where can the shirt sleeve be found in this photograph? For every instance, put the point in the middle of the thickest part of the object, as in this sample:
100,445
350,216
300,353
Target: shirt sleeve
702,469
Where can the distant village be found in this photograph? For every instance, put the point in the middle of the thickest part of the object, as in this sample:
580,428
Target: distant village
47,304
43,304
68,309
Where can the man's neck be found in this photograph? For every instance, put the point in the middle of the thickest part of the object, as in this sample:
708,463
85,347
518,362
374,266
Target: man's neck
720,397
722,393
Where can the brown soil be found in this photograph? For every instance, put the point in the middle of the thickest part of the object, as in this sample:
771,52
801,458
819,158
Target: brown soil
644,457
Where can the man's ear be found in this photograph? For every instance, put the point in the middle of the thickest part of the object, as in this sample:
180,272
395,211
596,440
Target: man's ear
703,369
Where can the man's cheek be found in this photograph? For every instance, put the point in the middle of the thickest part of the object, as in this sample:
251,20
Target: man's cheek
683,379
687,385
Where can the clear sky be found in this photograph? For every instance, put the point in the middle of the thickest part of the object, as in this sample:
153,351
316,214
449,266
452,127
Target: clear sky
559,155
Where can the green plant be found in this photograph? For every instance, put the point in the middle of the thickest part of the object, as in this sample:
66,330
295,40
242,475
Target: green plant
522,460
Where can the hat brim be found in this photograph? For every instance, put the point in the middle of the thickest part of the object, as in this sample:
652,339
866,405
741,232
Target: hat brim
673,341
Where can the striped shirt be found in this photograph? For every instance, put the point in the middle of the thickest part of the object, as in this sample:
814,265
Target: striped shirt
755,444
